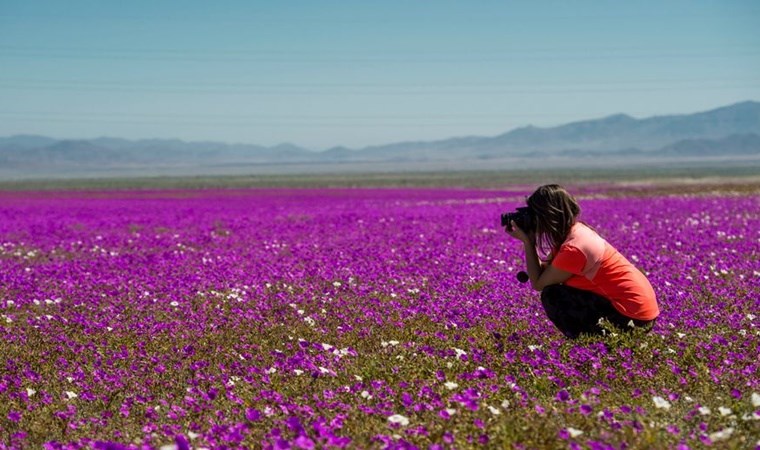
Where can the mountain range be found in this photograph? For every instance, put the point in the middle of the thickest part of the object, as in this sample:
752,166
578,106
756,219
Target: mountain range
730,131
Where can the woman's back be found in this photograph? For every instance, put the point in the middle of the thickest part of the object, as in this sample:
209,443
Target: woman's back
598,267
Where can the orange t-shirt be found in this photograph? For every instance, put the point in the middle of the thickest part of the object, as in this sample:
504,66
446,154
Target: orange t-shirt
598,267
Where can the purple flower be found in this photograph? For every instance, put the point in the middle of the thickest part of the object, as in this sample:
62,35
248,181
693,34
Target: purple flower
191,310
252,414
181,442
110,446
304,442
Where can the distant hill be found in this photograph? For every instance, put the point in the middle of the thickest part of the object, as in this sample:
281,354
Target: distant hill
726,131
607,135
736,144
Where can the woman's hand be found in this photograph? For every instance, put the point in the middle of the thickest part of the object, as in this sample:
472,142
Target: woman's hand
519,234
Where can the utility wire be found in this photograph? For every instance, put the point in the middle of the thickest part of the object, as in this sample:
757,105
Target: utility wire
276,116
485,84
418,59
407,92
553,51
251,124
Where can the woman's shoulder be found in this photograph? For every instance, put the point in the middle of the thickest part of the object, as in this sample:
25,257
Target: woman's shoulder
581,231
584,238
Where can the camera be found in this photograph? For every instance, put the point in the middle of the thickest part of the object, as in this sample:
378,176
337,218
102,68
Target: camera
523,217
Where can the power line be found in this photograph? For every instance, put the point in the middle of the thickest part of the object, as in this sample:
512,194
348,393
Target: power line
280,116
365,51
249,17
419,59
407,92
229,124
476,84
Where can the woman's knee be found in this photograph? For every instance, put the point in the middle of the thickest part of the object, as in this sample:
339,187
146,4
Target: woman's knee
551,294
554,299
551,290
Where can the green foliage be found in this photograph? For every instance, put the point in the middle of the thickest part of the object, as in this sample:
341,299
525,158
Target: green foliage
615,376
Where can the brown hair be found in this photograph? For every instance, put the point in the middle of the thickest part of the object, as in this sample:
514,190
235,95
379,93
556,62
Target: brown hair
556,211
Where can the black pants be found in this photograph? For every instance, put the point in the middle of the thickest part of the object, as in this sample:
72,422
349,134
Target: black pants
575,311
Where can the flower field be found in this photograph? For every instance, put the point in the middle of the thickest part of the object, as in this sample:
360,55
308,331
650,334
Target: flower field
363,319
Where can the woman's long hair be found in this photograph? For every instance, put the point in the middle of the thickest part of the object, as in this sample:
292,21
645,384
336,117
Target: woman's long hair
556,211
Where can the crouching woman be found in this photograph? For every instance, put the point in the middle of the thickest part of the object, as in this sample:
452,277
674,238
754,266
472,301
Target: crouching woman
584,278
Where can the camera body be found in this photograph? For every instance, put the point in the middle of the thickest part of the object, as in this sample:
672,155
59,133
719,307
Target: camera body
523,217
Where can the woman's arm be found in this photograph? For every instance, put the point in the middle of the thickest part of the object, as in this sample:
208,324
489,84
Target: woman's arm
540,274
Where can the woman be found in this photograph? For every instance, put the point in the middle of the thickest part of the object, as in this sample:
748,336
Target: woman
583,279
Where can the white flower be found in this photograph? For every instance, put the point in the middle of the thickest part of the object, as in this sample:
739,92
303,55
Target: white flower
460,352
271,370
505,404
574,432
755,399
309,321
30,392
493,410
533,348
387,343
358,378
365,394
724,411
450,385
660,402
450,411
192,435
336,283
297,371
721,435
326,347
681,335
174,303
399,419
71,395
704,410
323,370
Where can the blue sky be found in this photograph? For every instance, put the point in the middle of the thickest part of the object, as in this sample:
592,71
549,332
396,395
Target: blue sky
325,73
